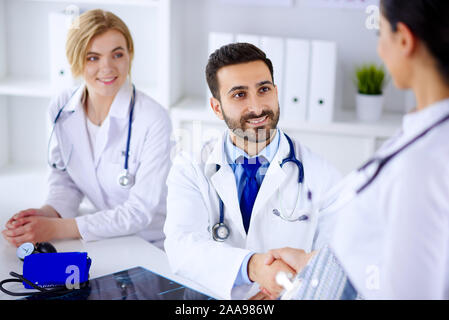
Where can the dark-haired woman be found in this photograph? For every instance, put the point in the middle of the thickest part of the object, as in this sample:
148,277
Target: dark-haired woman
392,240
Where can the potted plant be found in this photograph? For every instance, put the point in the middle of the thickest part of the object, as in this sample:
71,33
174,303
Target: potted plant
370,81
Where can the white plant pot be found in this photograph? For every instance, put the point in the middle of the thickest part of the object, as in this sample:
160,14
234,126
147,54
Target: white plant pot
369,107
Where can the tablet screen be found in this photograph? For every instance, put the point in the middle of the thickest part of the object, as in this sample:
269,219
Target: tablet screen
132,284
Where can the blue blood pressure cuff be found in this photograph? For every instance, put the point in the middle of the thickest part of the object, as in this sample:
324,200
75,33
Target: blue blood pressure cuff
56,269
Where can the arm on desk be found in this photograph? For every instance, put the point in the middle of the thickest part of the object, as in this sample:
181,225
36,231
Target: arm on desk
39,225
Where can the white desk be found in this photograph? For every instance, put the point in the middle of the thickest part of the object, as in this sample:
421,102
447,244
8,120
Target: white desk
108,256
27,189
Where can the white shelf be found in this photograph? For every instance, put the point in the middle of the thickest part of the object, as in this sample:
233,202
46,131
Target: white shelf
346,123
15,86
23,170
144,3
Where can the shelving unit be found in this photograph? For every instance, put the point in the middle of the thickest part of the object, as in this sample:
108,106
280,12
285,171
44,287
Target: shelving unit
346,142
171,52
25,86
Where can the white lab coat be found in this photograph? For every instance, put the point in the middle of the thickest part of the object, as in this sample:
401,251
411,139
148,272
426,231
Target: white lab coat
193,207
138,210
393,238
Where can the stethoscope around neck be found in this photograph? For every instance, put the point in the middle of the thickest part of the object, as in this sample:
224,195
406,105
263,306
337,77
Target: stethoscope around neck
220,231
125,179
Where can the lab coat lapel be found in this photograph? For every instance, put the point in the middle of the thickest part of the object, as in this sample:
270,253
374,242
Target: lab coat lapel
81,162
223,181
274,176
102,139
118,114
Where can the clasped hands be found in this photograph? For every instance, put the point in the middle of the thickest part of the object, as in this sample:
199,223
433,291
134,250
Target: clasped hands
38,225
263,268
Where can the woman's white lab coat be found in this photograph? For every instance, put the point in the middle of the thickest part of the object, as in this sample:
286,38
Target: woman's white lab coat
193,208
138,210
393,238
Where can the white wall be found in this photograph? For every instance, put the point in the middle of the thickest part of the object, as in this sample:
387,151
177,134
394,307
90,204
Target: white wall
29,20
3,110
28,140
356,44
4,146
2,39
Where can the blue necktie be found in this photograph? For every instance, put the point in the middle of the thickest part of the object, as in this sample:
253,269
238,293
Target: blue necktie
250,190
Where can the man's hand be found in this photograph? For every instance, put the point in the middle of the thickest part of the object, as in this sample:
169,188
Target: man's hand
296,259
265,275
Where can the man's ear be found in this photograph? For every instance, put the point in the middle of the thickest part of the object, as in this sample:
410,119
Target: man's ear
408,41
216,107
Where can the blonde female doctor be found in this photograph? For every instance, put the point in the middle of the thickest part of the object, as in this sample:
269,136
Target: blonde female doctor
110,143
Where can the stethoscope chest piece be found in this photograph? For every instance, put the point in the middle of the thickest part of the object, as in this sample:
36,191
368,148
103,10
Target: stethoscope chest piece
126,180
220,232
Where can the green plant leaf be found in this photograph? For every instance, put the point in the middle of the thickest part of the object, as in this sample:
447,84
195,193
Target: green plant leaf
370,79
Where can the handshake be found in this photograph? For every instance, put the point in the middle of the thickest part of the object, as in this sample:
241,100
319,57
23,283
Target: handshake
263,268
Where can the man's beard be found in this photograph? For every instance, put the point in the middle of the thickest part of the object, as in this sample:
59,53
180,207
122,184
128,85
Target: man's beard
258,135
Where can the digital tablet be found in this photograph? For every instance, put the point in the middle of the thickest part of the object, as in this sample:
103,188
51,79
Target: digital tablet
132,284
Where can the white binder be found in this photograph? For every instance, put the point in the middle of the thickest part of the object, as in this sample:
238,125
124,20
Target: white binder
60,74
248,38
274,49
297,70
323,74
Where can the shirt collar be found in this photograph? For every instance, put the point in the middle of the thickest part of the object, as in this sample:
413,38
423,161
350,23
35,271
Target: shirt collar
235,155
420,120
119,107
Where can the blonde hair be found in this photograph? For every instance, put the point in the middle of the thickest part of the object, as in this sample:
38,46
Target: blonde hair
88,25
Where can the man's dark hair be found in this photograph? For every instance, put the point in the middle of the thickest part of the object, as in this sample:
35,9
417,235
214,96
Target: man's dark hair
231,54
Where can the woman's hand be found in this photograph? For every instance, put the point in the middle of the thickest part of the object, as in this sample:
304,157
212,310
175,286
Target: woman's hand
296,259
31,228
39,225
17,220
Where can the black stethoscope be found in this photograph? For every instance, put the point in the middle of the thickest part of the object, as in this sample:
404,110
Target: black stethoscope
125,179
220,231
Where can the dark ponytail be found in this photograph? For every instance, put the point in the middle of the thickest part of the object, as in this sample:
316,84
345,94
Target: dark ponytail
428,20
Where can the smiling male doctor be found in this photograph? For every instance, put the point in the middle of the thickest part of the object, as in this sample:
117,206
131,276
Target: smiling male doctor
241,173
